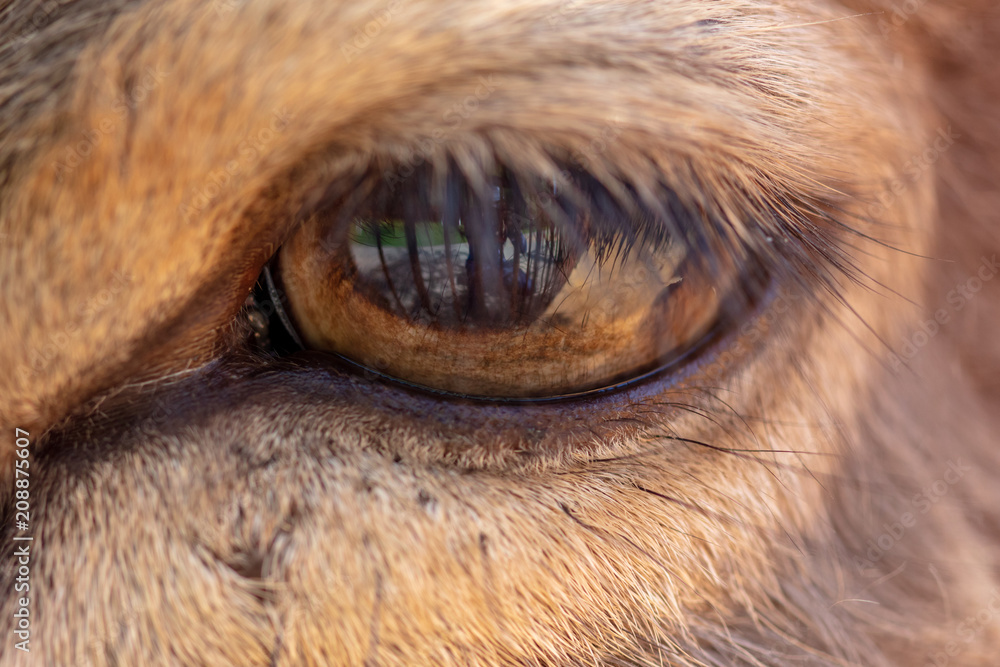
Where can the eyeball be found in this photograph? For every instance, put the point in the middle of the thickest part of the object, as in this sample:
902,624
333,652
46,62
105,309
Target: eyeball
498,287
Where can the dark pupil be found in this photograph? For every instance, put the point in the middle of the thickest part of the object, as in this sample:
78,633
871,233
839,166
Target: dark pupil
496,256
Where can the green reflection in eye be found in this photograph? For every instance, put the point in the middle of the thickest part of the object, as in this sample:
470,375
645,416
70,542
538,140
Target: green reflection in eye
392,234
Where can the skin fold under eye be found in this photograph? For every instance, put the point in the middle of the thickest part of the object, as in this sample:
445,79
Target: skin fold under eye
497,287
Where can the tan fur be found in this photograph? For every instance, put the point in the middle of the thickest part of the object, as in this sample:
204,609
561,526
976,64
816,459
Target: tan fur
192,509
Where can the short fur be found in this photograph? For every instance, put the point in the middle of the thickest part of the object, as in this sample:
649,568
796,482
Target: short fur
195,505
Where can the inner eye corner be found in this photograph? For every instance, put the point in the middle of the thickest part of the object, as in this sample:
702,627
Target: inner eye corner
264,317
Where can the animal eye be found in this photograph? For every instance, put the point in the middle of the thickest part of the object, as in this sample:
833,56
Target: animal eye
497,285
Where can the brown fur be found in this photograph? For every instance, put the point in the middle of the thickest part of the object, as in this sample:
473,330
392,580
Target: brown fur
193,505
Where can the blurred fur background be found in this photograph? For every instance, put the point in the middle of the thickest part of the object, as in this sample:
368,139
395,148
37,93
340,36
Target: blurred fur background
193,505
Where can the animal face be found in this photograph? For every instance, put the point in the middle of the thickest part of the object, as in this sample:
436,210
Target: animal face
470,333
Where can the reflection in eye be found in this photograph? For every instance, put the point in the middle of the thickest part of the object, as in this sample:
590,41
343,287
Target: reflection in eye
499,286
